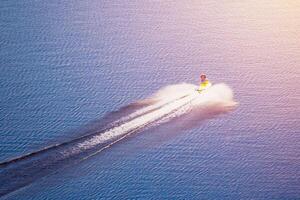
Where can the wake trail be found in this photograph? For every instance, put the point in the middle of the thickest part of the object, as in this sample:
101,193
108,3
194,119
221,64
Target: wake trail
157,103
168,103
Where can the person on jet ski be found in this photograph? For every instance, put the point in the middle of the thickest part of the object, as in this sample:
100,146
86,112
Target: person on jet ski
204,83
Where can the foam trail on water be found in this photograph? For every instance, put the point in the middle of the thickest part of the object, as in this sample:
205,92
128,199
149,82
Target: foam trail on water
164,96
219,97
168,103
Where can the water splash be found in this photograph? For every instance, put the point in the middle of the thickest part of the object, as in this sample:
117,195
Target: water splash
171,103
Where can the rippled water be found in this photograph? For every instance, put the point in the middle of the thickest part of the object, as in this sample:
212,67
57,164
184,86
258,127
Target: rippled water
65,65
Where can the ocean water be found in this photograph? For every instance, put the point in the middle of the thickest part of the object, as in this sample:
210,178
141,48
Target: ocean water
66,65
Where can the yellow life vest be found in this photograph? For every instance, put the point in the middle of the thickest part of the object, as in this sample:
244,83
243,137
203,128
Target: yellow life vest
204,85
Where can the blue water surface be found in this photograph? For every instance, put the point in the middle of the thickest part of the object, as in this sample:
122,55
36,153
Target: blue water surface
65,64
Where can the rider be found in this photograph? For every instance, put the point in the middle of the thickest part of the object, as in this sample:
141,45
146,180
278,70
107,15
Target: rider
204,83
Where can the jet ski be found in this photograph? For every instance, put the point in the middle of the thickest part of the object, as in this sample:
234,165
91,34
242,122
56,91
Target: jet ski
204,86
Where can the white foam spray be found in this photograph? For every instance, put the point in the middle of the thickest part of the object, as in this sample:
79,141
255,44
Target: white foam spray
169,102
175,102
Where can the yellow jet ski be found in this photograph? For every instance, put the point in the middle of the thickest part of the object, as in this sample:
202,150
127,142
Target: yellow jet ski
204,85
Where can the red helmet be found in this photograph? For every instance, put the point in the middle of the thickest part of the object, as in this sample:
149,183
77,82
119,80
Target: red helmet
203,75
